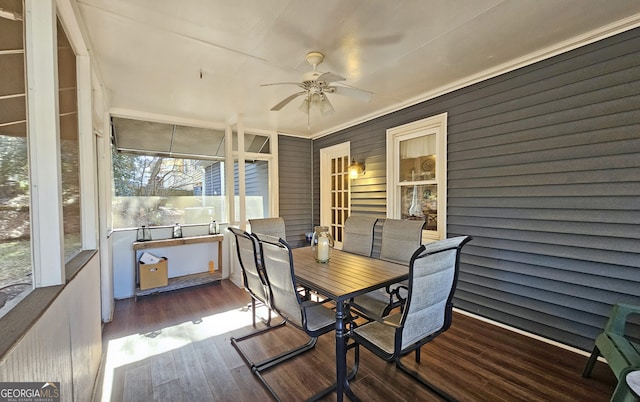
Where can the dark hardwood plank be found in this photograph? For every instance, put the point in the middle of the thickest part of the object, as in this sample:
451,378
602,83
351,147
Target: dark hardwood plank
189,357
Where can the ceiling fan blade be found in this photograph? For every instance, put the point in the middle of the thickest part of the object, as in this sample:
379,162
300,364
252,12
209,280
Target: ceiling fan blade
352,92
286,100
282,83
330,77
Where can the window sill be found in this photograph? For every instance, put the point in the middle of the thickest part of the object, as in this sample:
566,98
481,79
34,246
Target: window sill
17,322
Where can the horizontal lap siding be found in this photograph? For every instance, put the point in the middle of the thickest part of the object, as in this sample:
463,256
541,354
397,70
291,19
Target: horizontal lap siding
544,173
544,168
368,191
294,167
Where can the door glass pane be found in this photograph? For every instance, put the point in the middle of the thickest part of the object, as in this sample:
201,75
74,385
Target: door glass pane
418,159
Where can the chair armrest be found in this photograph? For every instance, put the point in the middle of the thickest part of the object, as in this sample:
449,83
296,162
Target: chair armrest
396,292
618,318
390,323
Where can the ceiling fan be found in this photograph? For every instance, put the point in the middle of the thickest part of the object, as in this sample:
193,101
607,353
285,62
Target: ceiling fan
315,87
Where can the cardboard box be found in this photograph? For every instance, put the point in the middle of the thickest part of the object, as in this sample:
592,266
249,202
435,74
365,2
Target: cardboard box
153,275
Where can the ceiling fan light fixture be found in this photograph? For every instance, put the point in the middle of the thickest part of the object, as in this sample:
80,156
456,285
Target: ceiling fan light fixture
325,106
304,106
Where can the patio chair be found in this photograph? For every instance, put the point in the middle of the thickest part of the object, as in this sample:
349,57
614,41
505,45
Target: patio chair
433,275
400,239
622,354
358,234
311,317
252,276
269,226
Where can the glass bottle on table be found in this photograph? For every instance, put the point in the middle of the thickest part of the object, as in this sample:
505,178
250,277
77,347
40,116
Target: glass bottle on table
322,244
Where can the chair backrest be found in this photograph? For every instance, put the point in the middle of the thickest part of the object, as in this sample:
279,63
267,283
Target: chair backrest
278,265
400,239
358,234
253,278
269,226
433,276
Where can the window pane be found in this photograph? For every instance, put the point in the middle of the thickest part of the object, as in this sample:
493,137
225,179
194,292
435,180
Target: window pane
15,235
256,143
420,202
69,150
418,158
257,189
158,191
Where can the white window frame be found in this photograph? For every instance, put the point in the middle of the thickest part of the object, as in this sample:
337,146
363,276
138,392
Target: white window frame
47,238
431,125
240,156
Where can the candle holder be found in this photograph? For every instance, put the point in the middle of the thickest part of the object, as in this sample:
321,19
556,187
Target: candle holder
177,231
322,243
214,228
144,234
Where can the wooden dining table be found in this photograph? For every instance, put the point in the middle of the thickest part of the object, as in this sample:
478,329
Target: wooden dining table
343,277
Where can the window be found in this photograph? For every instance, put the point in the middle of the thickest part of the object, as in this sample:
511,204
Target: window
254,175
416,171
15,235
160,191
69,149
39,194
165,173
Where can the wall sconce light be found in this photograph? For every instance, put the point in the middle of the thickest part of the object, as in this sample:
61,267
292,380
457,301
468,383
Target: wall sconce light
355,169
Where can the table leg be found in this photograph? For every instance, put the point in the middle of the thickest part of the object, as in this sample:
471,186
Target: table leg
341,355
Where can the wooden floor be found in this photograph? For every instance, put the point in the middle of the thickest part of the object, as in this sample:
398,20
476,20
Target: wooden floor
175,347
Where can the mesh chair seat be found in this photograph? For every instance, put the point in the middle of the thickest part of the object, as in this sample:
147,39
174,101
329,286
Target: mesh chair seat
318,317
381,334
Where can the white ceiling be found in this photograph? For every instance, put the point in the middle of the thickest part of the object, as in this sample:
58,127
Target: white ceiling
204,60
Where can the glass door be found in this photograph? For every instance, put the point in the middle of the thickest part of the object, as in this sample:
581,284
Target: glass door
334,189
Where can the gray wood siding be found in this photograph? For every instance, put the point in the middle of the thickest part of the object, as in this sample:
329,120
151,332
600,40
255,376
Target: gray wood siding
294,166
543,172
213,184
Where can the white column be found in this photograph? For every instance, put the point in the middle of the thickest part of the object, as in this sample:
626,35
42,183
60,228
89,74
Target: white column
44,145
